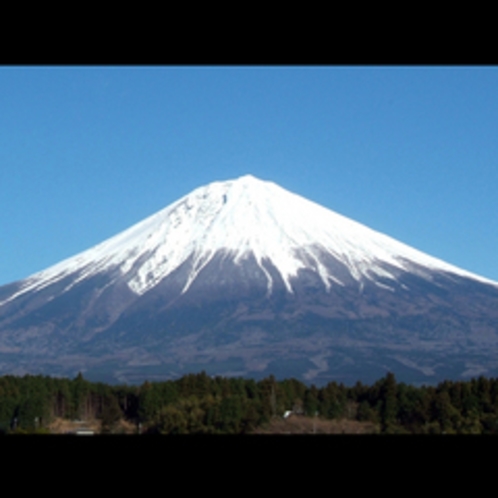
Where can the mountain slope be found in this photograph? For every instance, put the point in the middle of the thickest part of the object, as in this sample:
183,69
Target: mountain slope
243,270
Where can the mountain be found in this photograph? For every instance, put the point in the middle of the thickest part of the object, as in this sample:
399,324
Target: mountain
245,278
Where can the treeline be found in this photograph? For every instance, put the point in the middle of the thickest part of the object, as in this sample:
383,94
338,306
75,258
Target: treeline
200,404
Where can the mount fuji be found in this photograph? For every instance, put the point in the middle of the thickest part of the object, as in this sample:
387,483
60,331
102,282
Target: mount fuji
245,278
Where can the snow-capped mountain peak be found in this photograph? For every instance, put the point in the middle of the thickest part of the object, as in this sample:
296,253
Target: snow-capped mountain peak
243,277
242,218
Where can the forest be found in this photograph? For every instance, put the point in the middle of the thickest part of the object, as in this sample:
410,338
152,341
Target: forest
202,404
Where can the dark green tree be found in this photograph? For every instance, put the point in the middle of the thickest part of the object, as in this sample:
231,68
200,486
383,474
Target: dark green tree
389,403
445,413
111,414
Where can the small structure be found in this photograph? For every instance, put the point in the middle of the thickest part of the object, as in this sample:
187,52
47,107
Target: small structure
84,432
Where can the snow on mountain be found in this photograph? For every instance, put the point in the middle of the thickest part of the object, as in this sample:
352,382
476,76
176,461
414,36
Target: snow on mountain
240,218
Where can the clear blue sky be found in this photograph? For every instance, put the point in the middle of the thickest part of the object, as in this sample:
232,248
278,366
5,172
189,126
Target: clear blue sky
85,152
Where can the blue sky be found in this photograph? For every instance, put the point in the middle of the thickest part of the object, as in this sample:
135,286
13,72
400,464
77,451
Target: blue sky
85,152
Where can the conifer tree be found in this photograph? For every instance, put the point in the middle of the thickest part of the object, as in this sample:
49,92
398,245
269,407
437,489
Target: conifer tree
389,405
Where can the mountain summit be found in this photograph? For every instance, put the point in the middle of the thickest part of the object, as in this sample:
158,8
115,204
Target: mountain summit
244,278
239,219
